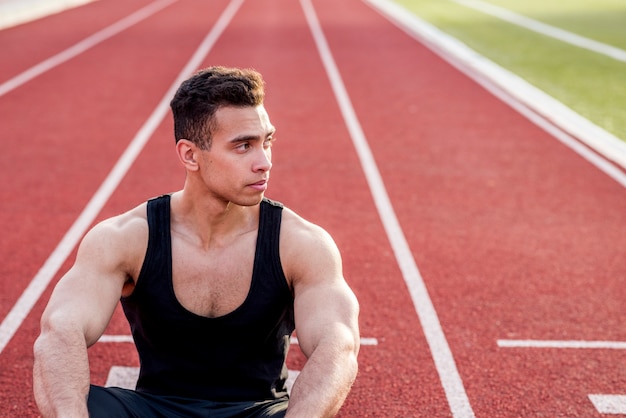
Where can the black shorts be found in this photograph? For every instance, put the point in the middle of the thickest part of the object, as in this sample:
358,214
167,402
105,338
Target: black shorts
124,403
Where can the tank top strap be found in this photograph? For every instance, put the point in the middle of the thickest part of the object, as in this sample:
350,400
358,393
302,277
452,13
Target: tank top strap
268,241
158,255
158,212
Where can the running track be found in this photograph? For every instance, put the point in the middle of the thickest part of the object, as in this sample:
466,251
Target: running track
514,235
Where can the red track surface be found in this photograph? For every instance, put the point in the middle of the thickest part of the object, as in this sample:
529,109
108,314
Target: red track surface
516,236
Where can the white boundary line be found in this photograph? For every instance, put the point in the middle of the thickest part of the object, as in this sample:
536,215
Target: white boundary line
604,404
441,353
42,279
15,12
609,404
545,29
364,341
614,345
108,338
543,110
83,45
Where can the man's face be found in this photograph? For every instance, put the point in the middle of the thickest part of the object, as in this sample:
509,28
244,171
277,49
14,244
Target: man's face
237,166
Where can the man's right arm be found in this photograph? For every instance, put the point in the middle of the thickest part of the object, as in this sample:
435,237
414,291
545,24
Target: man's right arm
77,314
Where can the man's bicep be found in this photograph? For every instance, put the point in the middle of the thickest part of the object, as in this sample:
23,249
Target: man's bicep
325,307
326,312
86,296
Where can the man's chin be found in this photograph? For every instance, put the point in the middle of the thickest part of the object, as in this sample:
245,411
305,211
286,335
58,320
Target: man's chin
250,201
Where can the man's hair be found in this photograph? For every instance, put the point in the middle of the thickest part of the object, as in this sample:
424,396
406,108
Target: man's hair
198,98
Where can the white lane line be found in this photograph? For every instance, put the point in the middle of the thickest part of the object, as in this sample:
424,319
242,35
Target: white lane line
440,350
15,12
122,377
364,341
545,29
42,279
604,404
108,338
369,341
541,109
609,404
613,345
83,45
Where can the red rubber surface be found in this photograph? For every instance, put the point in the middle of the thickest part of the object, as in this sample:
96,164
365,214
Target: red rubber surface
516,236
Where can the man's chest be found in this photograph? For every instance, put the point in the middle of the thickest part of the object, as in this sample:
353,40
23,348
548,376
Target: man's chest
213,282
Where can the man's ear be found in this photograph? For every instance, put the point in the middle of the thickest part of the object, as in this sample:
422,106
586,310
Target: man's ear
188,154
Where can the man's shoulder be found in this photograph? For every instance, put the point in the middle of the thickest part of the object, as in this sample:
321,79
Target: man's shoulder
116,244
135,217
308,252
302,234
125,229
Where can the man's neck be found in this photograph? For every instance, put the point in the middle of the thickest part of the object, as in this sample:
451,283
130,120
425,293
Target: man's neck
210,221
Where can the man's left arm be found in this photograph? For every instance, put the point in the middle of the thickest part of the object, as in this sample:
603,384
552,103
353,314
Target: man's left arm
326,315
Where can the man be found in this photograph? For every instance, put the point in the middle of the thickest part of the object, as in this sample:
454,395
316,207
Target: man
213,279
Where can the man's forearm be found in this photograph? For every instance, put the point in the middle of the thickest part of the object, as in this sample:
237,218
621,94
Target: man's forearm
323,384
61,376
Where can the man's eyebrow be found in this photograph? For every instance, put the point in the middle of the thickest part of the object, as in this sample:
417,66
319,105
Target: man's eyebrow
245,137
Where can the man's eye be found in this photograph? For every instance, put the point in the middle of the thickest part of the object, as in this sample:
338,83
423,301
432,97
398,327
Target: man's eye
243,146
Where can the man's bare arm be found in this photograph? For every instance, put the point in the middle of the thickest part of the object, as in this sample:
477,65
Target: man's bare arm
76,316
326,314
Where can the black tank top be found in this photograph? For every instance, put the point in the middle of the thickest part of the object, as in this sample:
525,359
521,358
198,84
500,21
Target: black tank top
236,357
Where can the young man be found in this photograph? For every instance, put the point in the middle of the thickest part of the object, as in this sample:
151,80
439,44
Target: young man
213,280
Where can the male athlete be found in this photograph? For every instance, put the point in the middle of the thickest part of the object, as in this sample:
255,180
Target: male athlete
213,280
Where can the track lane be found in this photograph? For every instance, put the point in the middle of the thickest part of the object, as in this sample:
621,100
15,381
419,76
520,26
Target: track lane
514,233
29,43
318,161
85,114
53,202
317,173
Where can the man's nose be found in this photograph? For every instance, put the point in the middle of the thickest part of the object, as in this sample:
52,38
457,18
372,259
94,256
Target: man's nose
263,161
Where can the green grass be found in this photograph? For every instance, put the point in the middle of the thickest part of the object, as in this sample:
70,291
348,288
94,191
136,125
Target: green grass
600,20
589,83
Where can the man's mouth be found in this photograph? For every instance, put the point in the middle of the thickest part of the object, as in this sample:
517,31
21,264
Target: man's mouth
259,185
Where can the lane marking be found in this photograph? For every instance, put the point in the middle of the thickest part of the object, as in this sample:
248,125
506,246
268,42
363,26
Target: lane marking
364,341
543,110
15,12
42,279
545,29
122,377
609,404
83,45
604,404
614,345
440,350
107,338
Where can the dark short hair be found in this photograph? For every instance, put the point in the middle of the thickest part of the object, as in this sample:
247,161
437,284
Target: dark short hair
199,97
